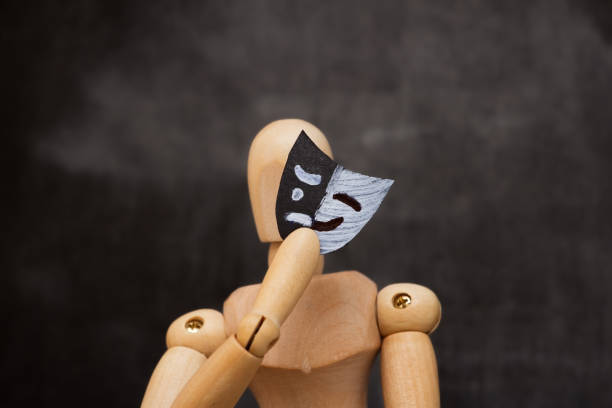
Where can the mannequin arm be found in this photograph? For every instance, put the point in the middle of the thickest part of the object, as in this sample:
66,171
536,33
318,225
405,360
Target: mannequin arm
224,377
406,314
190,338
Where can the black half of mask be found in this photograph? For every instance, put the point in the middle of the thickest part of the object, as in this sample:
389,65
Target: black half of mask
302,186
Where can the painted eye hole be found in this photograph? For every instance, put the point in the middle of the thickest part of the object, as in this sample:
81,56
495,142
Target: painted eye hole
297,194
305,177
299,218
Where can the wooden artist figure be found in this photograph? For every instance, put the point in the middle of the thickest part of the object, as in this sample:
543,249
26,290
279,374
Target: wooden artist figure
302,338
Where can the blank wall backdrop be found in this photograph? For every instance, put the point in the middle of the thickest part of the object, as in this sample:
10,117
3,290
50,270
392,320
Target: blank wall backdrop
125,136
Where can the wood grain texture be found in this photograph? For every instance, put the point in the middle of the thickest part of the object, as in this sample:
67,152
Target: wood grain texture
343,384
204,339
257,334
221,380
274,248
422,313
173,371
288,276
409,371
290,272
188,346
326,346
267,157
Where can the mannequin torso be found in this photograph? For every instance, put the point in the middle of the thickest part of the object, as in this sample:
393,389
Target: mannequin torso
326,347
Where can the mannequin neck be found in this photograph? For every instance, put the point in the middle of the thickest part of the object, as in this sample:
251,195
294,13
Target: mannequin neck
272,253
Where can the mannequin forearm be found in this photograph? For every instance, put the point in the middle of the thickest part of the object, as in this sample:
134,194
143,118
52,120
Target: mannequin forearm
223,378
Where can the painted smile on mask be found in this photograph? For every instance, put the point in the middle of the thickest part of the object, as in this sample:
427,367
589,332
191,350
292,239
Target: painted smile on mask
318,193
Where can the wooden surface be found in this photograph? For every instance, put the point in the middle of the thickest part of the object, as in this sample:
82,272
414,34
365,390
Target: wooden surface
190,338
221,380
286,279
409,371
288,275
343,384
267,157
274,248
326,345
408,366
257,334
422,314
204,339
173,371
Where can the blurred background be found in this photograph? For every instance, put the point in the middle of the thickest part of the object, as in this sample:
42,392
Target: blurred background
126,129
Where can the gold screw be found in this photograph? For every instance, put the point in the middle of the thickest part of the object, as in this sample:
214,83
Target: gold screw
401,300
194,324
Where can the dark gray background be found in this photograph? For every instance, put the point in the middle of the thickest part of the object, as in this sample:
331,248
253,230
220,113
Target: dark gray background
125,137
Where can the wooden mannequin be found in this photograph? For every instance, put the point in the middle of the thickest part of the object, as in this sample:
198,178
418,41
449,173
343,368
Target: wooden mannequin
301,339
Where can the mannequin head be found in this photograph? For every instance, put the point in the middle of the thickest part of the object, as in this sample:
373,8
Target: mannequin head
267,158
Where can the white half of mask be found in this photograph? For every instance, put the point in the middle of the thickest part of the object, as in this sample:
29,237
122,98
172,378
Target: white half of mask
367,191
